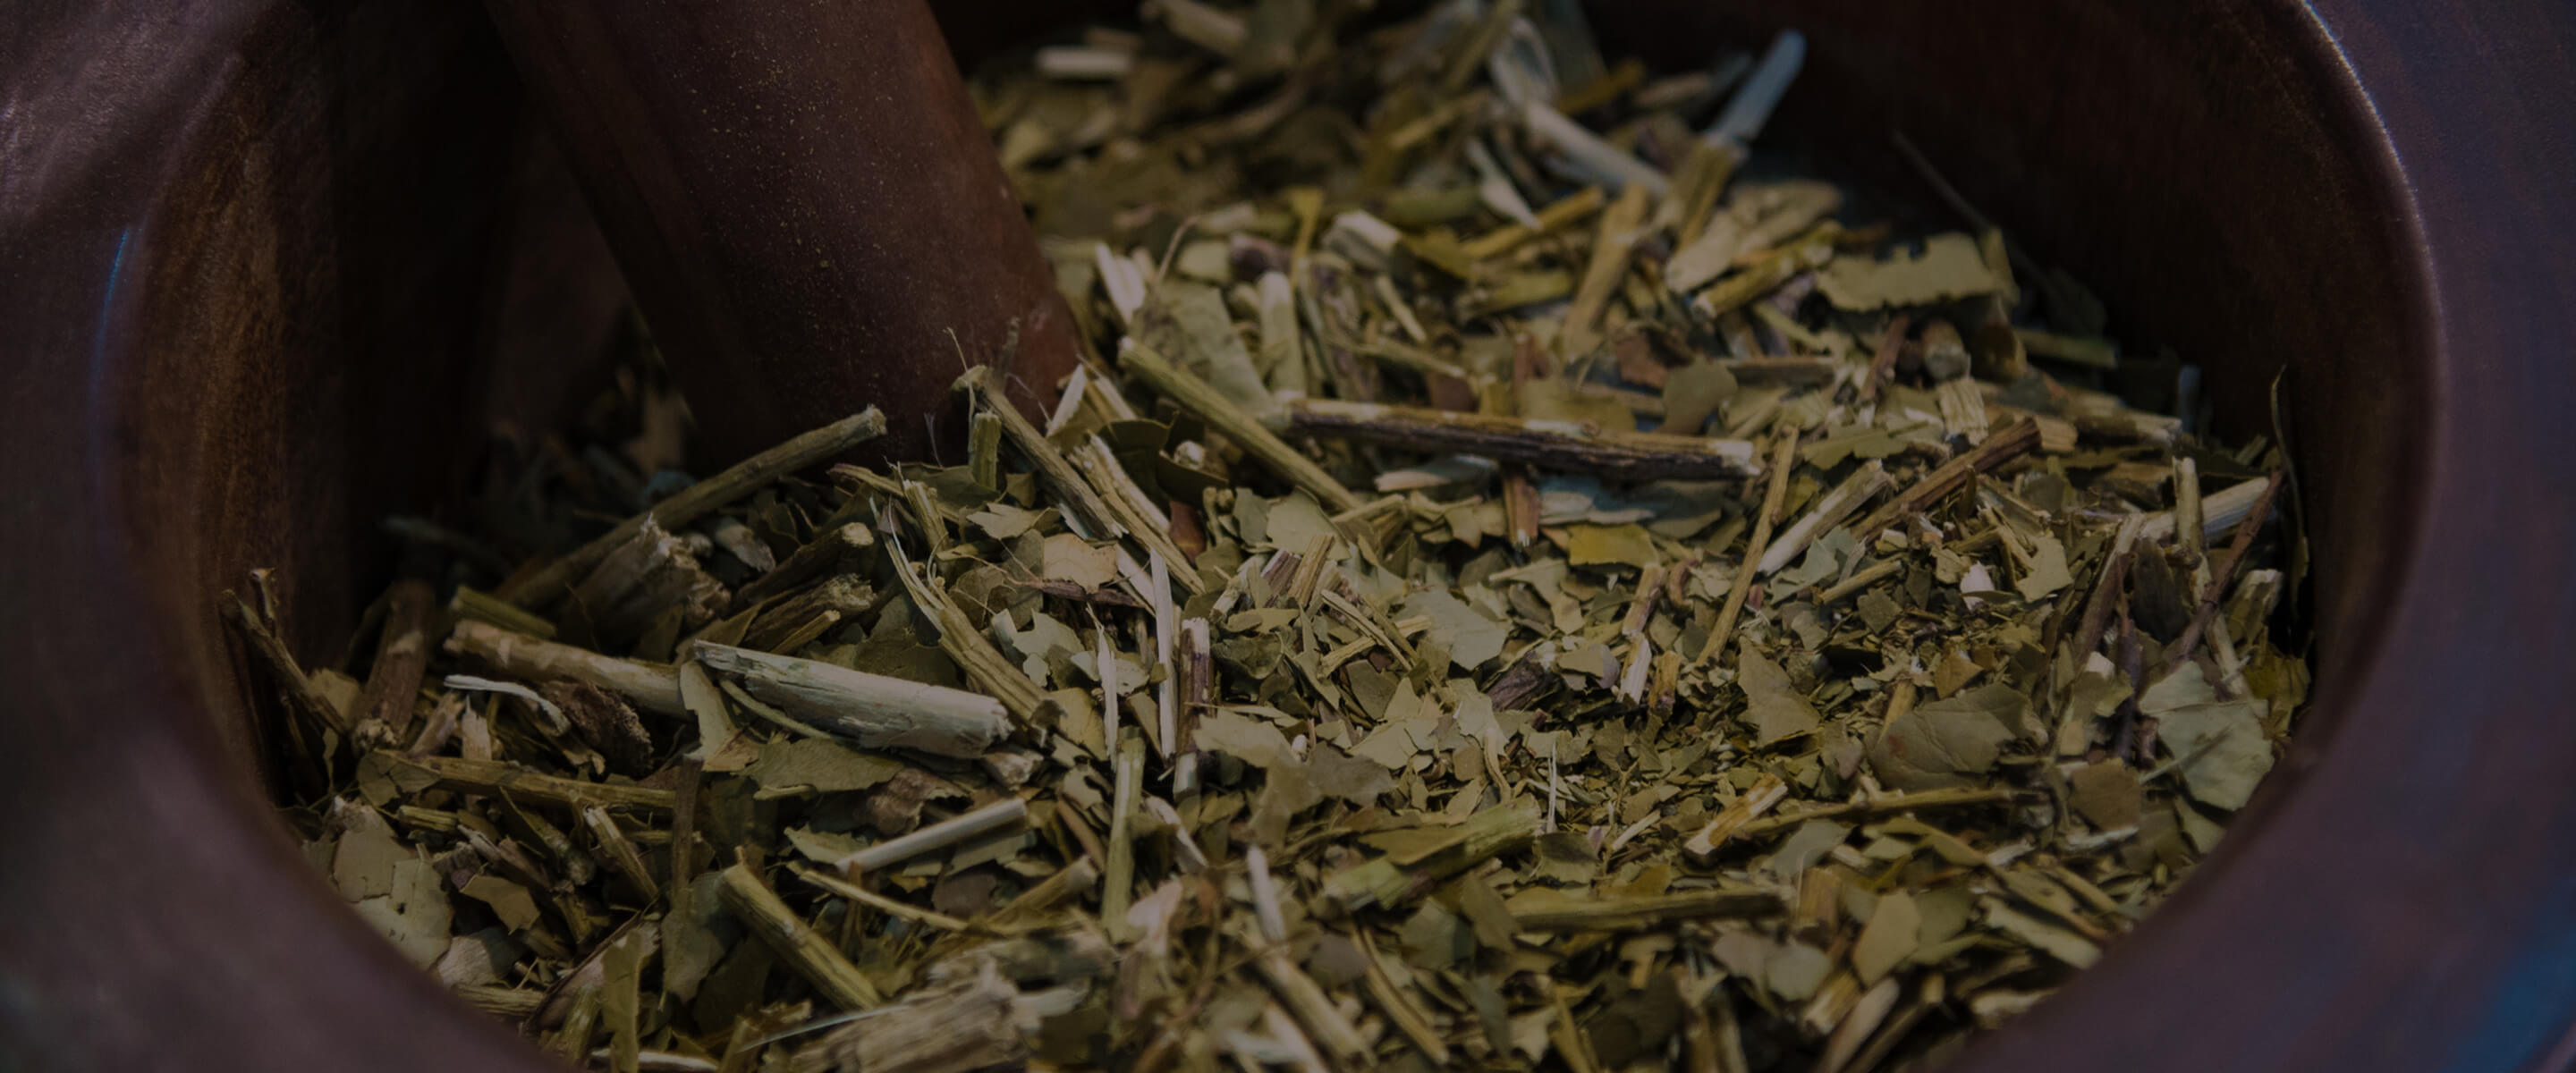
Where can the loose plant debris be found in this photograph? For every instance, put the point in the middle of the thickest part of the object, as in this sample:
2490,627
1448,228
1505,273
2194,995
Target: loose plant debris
1508,588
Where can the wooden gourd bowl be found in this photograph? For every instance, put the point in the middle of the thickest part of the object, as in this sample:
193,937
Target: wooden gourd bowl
268,269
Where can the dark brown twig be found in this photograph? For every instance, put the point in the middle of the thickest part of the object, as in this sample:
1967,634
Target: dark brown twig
2237,546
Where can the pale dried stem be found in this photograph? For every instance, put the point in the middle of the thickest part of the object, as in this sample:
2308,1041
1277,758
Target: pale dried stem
873,710
1543,444
1228,420
1622,914
1746,807
1127,502
964,641
797,943
1118,873
1861,579
1784,456
1885,805
499,779
655,687
620,850
995,818
2220,511
1862,486
1307,1002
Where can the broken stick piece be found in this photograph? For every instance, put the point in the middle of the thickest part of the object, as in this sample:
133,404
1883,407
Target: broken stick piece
2220,511
1743,810
1382,882
393,684
1082,502
654,687
695,501
2012,442
1886,805
1194,395
831,551
1544,444
1561,913
966,1024
872,709
1862,486
1784,458
293,684
811,955
494,778
994,818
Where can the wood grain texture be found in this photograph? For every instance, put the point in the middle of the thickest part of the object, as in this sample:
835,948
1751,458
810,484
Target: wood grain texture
806,206
244,247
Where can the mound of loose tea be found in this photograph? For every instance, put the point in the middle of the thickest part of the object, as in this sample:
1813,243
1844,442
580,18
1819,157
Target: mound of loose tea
1518,581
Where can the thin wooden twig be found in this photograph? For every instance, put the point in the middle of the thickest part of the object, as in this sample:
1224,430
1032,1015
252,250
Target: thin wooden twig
994,818
2188,523
619,850
1927,997
1118,873
2220,511
1622,914
1699,1030
1540,443
655,687
2012,442
1863,485
1193,663
500,779
1382,882
1520,493
402,657
1767,274
779,627
1746,807
2220,578
859,895
1861,579
684,830
1049,895
302,696
1784,457
1306,1001
985,666
1857,1025
2106,590
1885,805
1563,211
1144,522
796,942
1400,1009
1228,420
1611,246
1883,364
1089,513
1167,626
695,501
